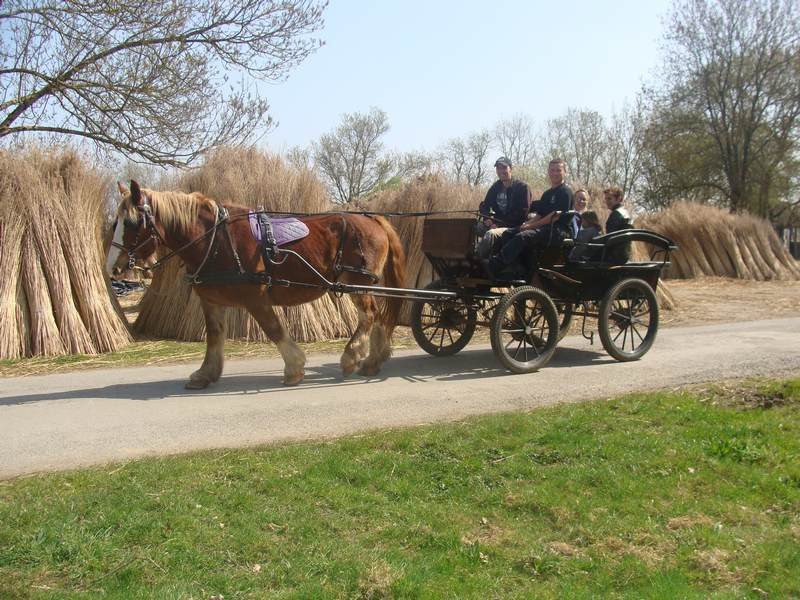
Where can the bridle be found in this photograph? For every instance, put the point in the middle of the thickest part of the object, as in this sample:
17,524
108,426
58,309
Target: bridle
145,223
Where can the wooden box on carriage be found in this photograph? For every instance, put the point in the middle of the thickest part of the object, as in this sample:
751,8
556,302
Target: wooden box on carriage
448,238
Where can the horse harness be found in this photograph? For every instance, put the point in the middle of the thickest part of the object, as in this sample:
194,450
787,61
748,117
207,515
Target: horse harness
270,252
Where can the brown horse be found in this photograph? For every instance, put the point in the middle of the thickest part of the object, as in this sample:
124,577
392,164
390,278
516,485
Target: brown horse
362,244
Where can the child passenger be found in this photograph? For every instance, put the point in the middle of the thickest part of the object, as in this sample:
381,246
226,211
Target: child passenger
590,229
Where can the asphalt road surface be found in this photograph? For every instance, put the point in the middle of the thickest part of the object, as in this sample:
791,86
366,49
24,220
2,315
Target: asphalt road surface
56,422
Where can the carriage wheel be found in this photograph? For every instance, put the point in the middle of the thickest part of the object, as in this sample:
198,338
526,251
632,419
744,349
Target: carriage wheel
628,319
565,312
442,327
524,330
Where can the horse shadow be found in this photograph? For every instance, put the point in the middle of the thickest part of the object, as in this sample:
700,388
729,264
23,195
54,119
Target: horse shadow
420,369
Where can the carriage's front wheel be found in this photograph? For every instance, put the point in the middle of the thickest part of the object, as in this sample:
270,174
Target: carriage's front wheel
442,327
524,330
628,320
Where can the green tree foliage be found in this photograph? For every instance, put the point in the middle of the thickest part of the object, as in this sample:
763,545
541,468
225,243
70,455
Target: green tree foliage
159,81
724,124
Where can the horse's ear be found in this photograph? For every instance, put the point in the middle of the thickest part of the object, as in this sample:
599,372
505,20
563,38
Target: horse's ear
136,193
123,191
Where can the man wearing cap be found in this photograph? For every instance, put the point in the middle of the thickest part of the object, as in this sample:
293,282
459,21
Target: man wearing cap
506,205
545,227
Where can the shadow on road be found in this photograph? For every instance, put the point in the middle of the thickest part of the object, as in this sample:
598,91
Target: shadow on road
479,363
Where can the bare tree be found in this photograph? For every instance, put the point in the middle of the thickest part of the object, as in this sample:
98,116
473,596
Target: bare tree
157,80
732,75
621,157
351,156
465,159
578,138
516,139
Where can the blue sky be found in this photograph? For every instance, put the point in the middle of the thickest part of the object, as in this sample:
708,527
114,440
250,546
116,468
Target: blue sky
443,69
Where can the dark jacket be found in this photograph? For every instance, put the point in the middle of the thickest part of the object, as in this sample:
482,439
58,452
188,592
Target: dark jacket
618,220
511,210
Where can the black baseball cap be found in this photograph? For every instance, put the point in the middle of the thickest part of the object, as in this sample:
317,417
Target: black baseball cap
503,161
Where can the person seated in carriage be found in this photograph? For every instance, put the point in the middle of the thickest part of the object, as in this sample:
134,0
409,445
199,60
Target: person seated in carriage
590,229
505,206
618,219
545,227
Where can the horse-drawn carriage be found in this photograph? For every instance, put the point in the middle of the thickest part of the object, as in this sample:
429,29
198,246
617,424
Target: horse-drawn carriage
235,257
527,321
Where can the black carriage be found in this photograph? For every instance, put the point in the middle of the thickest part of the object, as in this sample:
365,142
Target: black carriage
528,315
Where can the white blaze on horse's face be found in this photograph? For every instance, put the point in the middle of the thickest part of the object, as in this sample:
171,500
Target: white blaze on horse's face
115,250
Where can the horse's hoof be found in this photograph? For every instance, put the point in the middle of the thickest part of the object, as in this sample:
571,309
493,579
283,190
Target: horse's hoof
369,370
348,369
196,384
293,379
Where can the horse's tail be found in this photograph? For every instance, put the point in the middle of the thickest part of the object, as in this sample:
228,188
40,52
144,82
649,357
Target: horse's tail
394,275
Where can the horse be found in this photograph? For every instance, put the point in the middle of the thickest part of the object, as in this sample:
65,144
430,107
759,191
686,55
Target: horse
349,248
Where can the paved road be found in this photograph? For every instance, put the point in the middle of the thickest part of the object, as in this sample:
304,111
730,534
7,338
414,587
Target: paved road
65,421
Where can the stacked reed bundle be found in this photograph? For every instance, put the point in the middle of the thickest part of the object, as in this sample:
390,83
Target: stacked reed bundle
54,297
715,242
248,177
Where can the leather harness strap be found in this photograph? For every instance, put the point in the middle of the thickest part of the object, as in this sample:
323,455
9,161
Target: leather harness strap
339,268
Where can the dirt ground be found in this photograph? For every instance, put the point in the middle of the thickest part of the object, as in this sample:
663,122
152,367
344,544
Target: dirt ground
720,299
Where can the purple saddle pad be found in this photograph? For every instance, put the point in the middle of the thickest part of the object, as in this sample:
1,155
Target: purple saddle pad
285,230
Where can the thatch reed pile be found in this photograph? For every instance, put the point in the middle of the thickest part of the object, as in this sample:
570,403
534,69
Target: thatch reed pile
251,178
715,242
54,296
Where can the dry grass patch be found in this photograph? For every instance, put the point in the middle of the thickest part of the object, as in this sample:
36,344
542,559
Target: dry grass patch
689,521
377,582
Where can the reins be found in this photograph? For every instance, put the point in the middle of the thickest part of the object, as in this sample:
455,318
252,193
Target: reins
222,218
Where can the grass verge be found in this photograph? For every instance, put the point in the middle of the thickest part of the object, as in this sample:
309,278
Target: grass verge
690,494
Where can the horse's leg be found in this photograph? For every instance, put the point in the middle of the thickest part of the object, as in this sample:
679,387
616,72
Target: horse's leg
211,369
379,350
294,358
356,348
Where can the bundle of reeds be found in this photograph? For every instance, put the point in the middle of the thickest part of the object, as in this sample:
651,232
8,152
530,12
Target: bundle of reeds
715,242
54,298
248,177
13,337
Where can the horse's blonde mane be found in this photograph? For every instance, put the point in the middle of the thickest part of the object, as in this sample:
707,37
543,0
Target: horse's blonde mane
176,210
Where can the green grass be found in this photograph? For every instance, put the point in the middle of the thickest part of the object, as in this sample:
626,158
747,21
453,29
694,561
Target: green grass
690,494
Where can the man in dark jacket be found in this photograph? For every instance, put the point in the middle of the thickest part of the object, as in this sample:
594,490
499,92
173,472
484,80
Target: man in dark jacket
544,228
506,205
618,219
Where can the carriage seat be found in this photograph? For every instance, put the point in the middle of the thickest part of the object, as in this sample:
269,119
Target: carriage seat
604,246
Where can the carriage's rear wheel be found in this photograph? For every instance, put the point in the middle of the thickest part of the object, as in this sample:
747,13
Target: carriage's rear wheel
524,330
442,327
628,320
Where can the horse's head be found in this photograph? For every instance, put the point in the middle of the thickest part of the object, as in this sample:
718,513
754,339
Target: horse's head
135,230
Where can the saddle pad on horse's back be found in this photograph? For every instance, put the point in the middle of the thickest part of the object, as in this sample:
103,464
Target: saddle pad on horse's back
285,230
